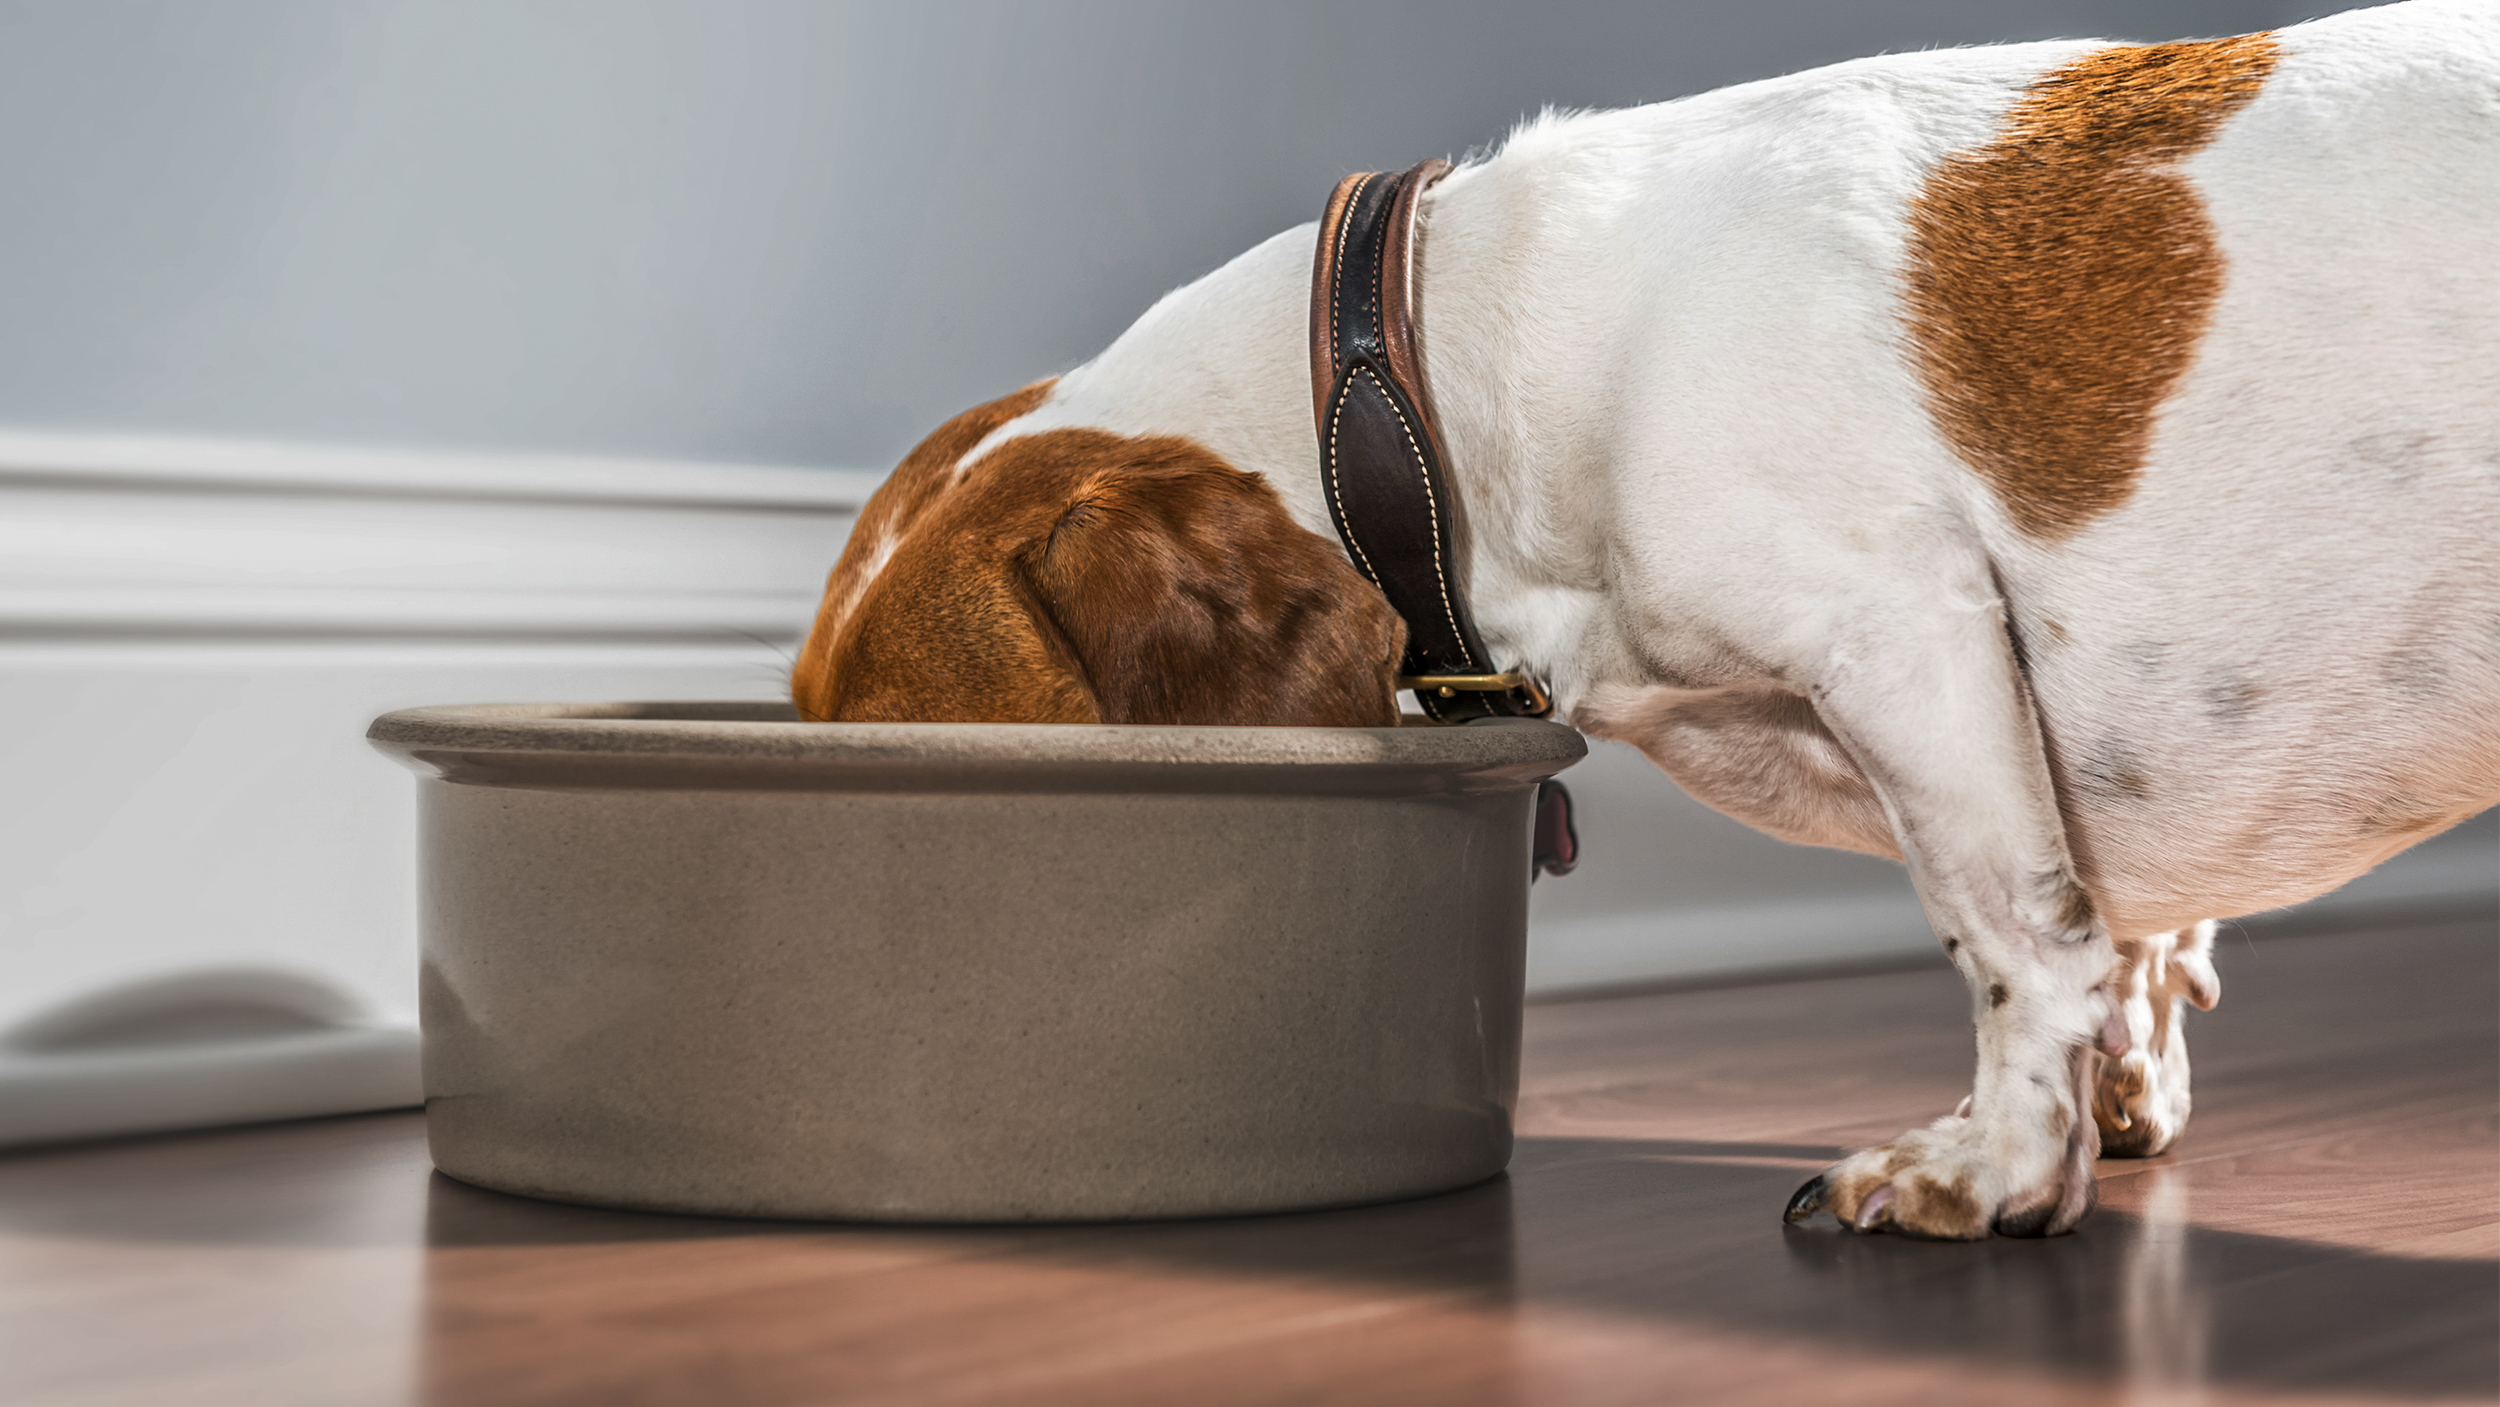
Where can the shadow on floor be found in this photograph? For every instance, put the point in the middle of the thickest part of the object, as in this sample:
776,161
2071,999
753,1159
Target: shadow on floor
1673,1231
1689,1233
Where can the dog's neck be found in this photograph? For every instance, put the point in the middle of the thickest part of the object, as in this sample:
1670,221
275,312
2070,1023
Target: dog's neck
1226,361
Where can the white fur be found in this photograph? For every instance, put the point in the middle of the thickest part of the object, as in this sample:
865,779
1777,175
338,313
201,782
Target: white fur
1667,346
875,563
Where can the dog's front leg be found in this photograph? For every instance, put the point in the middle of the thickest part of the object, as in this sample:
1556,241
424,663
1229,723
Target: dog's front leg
1928,700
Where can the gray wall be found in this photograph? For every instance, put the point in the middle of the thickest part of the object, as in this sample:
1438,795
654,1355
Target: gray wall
739,229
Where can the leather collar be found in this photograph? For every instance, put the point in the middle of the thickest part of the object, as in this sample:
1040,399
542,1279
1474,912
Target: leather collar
1380,447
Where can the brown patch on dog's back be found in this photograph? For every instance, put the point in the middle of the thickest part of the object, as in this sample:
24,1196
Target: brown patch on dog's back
2061,276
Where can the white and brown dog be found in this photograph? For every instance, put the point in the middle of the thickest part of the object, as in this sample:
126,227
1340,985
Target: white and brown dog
2072,469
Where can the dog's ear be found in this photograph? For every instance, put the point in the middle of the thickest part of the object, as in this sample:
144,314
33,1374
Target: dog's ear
1182,592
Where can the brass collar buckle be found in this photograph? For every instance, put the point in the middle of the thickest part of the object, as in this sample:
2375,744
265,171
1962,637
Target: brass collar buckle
1450,686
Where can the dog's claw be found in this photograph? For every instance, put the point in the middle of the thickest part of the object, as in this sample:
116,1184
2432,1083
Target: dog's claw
1808,1200
1871,1211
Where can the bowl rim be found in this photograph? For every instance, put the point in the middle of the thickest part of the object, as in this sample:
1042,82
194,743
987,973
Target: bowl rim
504,741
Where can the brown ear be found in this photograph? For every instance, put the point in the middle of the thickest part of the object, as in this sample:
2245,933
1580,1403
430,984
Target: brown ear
1183,592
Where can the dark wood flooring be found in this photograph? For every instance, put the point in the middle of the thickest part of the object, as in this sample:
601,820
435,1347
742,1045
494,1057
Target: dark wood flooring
2328,1231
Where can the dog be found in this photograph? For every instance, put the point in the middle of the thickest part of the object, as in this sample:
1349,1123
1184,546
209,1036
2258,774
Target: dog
2071,469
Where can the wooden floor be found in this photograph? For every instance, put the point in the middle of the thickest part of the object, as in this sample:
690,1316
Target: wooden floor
2328,1231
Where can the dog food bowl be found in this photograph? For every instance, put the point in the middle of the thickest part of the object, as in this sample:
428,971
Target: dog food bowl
707,958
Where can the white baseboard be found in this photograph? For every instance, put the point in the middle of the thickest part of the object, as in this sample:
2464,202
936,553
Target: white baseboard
110,538
86,459
1669,943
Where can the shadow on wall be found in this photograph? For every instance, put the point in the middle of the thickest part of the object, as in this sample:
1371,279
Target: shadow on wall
211,1007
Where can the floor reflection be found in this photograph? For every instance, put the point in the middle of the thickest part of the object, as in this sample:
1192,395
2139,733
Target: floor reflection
1683,1237
538,1302
2164,1323
2140,1298
213,1268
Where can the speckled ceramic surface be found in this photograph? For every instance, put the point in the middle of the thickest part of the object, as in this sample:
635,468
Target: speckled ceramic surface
704,958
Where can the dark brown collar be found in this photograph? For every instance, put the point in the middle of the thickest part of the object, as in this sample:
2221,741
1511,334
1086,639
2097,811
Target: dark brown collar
1380,447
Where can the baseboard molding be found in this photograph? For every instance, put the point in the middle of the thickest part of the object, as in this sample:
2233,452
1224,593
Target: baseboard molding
161,463
1592,954
114,537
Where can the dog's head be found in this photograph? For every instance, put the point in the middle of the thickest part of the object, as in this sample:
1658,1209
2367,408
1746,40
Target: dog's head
1077,576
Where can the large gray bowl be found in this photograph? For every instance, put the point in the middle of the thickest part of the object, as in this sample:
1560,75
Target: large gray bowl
707,958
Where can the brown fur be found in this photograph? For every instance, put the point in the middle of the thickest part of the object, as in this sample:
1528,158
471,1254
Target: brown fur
1076,576
2061,276
1948,1211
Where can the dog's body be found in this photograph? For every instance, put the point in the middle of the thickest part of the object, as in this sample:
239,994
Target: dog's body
2074,470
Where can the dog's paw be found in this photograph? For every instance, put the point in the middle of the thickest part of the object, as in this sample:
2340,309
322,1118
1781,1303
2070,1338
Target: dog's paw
2027,1171
2140,1099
